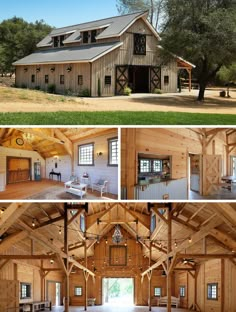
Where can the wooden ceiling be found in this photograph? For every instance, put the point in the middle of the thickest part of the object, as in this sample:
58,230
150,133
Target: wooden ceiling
198,229
48,142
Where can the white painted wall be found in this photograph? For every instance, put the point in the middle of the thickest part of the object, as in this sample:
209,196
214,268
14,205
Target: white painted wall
63,166
100,170
6,151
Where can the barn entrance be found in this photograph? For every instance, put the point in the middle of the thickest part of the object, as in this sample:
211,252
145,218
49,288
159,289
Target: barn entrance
118,291
139,79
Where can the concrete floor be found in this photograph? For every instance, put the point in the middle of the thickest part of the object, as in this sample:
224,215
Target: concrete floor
116,309
222,194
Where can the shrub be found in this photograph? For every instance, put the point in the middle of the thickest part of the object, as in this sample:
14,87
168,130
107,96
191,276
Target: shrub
84,92
127,91
157,91
23,86
51,88
37,88
69,92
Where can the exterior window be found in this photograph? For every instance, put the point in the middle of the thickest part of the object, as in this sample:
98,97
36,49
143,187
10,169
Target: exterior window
80,80
93,35
85,36
55,42
25,290
145,165
86,154
82,223
182,291
46,79
166,80
139,44
212,291
62,38
78,291
108,80
157,291
113,152
33,78
62,79
153,223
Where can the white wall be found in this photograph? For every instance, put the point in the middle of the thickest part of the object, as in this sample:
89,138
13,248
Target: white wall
63,166
100,170
6,151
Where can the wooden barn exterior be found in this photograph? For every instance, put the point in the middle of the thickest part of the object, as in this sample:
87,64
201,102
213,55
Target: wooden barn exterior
102,57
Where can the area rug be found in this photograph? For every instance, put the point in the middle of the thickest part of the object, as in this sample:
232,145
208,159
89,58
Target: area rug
57,192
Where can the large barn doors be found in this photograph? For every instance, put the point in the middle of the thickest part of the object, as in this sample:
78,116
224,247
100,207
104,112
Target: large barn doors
155,78
122,78
211,173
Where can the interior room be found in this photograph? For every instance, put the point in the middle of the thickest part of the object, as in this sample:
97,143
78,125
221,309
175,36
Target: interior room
178,163
104,256
58,163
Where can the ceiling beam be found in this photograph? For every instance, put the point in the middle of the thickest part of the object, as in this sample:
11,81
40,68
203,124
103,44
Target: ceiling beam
67,143
11,215
12,239
25,257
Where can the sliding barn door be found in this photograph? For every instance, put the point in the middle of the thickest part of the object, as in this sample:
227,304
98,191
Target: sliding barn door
155,78
211,173
122,78
18,169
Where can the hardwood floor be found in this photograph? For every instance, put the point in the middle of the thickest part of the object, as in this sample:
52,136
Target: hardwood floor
118,309
25,190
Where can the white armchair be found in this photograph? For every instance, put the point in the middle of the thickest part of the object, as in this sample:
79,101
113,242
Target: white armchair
100,185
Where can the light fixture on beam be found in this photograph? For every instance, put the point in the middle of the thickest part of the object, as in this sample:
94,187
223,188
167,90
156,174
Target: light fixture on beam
33,223
51,261
28,137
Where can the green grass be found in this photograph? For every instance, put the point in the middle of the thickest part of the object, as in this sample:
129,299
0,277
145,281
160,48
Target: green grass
115,118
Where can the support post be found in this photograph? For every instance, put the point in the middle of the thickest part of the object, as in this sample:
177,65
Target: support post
66,262
85,279
150,277
222,285
168,260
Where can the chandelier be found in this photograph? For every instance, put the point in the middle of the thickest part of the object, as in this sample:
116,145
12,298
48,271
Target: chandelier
29,137
117,237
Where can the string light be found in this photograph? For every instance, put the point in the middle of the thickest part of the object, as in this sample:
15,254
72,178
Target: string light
175,244
2,210
51,261
33,223
60,230
190,239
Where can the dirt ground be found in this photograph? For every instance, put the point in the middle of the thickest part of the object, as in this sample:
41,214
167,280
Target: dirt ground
178,102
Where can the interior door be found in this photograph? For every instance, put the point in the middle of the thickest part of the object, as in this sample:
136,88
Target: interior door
18,169
211,173
52,292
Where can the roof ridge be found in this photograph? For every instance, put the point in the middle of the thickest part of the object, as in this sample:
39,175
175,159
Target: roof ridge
102,19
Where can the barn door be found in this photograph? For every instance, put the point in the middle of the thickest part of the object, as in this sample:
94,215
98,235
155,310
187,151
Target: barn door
211,173
155,78
18,169
122,78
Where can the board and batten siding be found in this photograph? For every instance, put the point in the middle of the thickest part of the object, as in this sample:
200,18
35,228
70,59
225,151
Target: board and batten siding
100,170
23,79
34,156
63,166
124,55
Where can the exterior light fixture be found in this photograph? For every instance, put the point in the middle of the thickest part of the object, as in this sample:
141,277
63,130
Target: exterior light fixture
69,69
99,153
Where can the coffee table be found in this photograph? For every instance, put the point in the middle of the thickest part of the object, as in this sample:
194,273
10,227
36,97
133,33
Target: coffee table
79,189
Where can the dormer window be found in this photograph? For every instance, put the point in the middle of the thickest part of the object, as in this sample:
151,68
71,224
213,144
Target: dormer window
139,44
62,38
55,42
85,37
93,35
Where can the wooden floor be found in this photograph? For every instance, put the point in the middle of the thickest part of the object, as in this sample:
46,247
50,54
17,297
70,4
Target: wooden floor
23,190
117,309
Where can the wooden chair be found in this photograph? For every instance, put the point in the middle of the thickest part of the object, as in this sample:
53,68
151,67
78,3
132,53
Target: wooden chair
101,186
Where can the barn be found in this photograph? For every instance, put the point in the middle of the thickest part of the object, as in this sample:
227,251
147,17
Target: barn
126,256
101,57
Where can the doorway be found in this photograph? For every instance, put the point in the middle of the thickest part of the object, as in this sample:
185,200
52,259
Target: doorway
233,165
139,79
118,291
54,293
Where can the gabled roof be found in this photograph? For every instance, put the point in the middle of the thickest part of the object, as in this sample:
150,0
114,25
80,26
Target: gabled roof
80,54
114,27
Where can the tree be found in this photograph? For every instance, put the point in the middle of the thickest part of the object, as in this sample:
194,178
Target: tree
228,74
18,39
203,32
155,8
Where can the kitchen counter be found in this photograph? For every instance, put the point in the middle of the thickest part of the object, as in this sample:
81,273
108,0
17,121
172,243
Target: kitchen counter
154,181
164,189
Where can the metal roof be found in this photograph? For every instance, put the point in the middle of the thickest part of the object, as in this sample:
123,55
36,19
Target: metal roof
114,27
84,53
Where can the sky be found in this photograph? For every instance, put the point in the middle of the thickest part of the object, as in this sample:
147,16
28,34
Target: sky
58,13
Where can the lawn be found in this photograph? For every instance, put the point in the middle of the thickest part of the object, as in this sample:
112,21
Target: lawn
31,107
115,118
